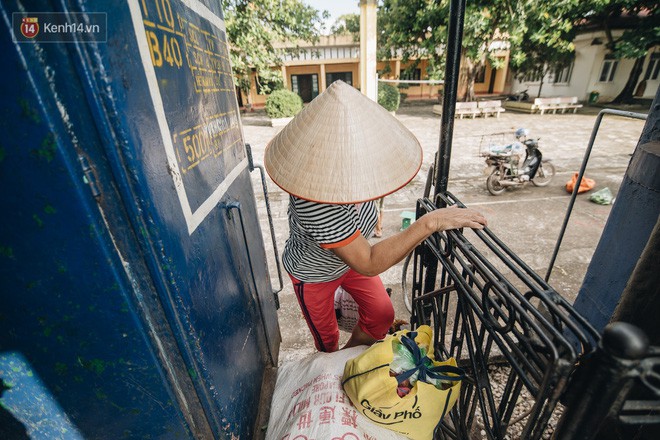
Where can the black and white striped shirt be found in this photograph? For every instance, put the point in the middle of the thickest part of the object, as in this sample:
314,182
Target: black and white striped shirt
315,229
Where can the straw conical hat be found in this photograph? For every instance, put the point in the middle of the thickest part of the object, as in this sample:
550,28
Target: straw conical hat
343,148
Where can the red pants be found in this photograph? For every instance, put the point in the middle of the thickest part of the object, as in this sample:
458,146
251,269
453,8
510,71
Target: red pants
317,304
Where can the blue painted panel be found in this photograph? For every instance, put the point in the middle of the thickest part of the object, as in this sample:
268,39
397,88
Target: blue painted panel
66,309
158,253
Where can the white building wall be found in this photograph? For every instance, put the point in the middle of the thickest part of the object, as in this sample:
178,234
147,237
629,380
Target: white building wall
585,76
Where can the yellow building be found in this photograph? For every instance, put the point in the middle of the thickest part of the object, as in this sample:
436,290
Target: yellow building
309,68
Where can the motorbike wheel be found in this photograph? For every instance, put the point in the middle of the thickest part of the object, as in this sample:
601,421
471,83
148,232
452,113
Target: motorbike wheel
544,174
493,184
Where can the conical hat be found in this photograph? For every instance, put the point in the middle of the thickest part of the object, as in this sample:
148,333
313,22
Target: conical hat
343,148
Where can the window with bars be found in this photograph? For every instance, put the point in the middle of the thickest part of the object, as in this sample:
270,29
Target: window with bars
563,75
532,77
653,69
411,74
347,77
608,70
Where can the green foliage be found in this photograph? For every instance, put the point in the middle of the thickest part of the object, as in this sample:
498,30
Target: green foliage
416,29
254,25
389,97
283,103
411,30
545,39
264,87
644,32
347,24
550,28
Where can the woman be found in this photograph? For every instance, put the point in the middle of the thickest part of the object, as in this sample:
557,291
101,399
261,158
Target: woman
338,156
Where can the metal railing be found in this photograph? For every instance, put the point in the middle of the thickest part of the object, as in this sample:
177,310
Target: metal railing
487,306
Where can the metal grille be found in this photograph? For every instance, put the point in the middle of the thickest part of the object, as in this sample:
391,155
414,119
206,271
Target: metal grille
487,306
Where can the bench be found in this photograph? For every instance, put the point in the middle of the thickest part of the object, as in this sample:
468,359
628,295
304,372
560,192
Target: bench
569,102
491,108
462,108
467,108
559,103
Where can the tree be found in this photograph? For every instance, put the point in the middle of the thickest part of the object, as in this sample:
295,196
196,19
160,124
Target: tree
252,28
347,24
485,23
641,19
413,29
544,39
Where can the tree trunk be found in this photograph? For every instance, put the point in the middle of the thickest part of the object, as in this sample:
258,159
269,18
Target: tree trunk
469,95
491,84
471,77
248,99
543,74
627,94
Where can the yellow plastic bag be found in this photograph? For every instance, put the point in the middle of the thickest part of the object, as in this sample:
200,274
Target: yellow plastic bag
373,391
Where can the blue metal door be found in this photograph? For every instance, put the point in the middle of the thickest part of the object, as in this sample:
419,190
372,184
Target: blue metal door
136,301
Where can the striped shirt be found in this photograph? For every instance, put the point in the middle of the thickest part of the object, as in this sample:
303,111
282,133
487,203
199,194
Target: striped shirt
315,229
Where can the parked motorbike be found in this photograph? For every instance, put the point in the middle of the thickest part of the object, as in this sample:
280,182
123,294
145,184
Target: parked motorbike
506,170
519,96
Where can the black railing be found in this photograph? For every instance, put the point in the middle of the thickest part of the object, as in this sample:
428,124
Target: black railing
491,311
488,307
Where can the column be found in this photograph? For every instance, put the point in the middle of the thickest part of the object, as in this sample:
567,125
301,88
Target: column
322,84
285,80
368,80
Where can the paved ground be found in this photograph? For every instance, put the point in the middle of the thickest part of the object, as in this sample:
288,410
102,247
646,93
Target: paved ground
527,219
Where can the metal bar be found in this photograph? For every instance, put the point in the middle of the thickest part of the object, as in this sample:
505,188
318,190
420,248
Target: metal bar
583,167
264,186
272,234
452,67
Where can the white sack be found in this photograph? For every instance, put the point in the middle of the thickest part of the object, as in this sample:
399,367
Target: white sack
309,402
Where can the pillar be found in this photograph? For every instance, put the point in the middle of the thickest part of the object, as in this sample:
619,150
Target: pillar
368,79
285,81
322,83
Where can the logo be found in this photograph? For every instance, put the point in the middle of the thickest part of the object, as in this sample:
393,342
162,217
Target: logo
30,27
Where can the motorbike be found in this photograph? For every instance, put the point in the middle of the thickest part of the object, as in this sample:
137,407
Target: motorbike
506,170
519,96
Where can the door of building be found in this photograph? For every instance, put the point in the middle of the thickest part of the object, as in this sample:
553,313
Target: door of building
307,86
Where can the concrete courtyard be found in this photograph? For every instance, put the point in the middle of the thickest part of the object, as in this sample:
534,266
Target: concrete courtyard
528,219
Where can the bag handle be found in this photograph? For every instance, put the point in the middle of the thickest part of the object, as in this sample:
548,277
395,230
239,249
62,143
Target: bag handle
436,372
